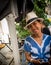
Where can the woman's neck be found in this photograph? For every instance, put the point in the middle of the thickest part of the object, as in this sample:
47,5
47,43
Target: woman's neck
37,35
38,38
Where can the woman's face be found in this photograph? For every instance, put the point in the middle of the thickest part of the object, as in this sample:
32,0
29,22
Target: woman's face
35,27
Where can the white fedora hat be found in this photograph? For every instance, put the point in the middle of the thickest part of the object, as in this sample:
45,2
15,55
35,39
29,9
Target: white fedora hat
32,17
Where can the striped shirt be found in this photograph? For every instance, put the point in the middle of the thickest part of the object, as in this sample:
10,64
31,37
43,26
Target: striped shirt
38,51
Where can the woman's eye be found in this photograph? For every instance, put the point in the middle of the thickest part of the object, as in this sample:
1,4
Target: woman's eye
28,27
34,23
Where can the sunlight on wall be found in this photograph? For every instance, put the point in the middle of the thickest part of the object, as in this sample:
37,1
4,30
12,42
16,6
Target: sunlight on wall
5,26
5,31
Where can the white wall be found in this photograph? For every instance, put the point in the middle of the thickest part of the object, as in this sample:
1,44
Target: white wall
5,26
4,30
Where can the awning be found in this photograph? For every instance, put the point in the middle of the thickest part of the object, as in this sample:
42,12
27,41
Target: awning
23,6
4,8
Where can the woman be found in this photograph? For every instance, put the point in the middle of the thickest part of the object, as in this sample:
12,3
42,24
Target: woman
36,46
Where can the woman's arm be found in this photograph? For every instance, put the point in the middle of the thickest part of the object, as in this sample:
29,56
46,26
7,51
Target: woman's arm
28,57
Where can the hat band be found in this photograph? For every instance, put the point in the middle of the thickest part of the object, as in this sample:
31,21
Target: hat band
31,20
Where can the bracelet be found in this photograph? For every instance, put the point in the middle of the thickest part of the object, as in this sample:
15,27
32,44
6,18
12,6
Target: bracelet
31,59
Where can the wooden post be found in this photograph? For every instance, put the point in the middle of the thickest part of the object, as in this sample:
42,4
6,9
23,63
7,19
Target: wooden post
13,37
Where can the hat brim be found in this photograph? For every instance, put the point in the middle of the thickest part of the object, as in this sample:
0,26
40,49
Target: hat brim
41,19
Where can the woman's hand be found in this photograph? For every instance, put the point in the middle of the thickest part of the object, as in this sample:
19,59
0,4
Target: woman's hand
36,62
49,61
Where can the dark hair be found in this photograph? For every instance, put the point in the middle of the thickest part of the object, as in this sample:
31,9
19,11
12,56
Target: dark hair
46,31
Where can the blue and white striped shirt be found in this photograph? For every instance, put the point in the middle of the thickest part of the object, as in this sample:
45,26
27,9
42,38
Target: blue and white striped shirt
38,51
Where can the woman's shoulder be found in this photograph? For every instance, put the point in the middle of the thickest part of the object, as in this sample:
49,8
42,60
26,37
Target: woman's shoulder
28,37
47,35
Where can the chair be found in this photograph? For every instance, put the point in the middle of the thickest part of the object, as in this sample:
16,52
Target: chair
1,47
4,43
